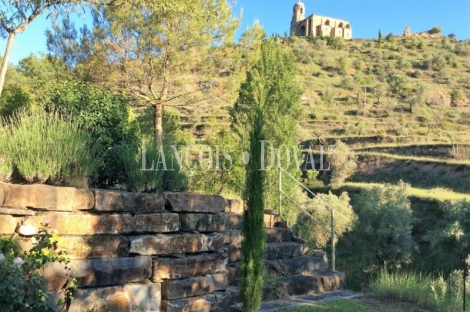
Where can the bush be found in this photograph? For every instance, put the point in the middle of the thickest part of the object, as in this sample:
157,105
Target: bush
108,118
46,148
342,163
22,287
312,230
382,234
435,30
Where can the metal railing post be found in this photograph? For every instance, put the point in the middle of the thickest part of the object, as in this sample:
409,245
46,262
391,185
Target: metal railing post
280,189
333,252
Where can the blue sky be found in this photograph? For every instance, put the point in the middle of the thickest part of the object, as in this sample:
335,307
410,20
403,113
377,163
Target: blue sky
366,18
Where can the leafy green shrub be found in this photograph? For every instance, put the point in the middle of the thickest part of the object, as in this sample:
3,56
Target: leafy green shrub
418,73
382,234
312,230
45,147
435,30
22,287
343,164
108,118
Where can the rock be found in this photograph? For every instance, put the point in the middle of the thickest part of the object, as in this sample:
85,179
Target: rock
215,301
233,274
202,222
232,237
299,285
319,253
84,224
150,203
130,297
233,253
171,268
8,224
186,202
47,197
235,206
271,220
299,240
3,191
213,242
167,244
284,250
27,230
194,286
115,201
304,265
157,223
233,221
278,235
94,247
98,272
16,211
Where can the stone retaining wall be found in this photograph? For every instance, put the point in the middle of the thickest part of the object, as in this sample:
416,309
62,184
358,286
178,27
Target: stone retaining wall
143,252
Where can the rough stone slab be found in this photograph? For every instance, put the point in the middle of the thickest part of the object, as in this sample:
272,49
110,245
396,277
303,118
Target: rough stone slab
167,244
8,224
87,247
16,212
235,206
186,202
98,272
278,235
130,297
195,286
233,274
233,253
299,285
94,247
284,250
202,222
205,303
233,221
173,268
157,223
270,221
232,237
150,203
3,193
213,242
84,224
115,201
319,253
299,240
304,265
47,197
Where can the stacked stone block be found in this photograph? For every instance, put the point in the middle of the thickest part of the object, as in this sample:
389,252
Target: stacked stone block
148,252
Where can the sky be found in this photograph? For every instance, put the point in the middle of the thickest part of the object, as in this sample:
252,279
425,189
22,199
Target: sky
366,17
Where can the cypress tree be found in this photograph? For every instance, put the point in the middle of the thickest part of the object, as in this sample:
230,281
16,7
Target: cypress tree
254,242
380,37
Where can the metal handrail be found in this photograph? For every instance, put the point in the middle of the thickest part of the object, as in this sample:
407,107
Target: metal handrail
332,212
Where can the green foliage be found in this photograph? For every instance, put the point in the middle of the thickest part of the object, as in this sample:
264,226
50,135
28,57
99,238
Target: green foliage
457,95
435,30
341,305
23,288
379,91
397,83
46,147
13,98
271,85
342,163
106,116
435,294
311,230
343,65
438,62
382,235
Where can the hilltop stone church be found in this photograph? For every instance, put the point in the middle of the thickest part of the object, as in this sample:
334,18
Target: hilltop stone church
317,25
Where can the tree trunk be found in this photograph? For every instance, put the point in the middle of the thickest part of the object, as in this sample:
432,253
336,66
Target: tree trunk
157,121
6,57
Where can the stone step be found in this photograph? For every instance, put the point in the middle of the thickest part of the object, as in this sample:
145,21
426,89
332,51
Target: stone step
277,250
193,286
233,221
215,301
303,284
304,265
272,235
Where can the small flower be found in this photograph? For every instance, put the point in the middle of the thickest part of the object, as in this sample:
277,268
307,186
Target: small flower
18,261
2,257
